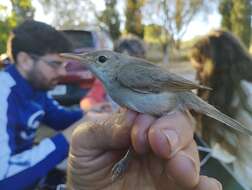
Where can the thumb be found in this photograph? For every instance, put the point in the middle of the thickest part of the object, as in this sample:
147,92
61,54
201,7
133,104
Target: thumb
114,133
170,133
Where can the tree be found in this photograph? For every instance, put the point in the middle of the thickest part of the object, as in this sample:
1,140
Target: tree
21,10
4,28
69,13
134,17
174,16
110,17
236,17
225,9
241,20
153,33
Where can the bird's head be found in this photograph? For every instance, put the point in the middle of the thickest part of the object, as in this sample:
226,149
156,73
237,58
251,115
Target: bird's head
102,63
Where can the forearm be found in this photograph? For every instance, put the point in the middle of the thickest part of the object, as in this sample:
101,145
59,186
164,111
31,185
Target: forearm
62,119
27,168
58,117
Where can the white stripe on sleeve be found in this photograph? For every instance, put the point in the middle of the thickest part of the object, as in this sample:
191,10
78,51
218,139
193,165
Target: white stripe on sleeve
31,157
6,83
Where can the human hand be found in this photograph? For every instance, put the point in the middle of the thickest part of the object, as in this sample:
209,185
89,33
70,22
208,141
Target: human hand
166,154
88,117
90,105
102,107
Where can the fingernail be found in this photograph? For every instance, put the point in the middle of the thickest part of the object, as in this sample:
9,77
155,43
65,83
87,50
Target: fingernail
179,172
219,185
172,138
191,161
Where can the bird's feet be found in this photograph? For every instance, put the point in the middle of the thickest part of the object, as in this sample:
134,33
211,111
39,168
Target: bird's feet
120,167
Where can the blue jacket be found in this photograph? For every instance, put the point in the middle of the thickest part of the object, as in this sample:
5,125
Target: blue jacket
22,109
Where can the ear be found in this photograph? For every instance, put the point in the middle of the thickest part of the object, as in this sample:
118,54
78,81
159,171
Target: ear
24,61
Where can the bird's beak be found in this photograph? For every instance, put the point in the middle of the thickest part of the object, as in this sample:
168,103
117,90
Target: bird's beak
73,56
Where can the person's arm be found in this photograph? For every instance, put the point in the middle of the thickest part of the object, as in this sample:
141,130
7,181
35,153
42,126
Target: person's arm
26,168
58,117
23,170
96,95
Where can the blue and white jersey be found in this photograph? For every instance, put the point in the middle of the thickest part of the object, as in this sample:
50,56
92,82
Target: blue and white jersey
22,109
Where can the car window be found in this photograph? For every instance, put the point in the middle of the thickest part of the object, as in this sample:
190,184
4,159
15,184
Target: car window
80,39
105,41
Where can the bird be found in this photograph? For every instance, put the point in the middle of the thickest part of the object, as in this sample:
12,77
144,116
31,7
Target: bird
148,88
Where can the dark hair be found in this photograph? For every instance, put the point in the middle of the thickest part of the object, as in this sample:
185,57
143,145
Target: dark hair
36,38
133,45
231,63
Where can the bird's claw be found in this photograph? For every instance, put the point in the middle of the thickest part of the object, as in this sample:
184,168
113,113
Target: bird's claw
119,169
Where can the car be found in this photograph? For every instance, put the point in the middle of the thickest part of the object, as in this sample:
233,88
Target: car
75,85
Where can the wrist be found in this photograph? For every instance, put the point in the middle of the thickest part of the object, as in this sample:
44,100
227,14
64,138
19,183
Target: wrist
67,133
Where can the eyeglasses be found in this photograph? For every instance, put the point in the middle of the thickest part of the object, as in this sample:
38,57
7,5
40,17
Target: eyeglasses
53,64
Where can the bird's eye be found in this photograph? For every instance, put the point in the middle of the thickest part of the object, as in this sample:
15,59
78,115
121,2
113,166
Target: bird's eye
102,58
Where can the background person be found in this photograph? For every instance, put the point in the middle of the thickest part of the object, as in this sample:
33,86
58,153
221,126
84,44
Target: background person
34,48
223,63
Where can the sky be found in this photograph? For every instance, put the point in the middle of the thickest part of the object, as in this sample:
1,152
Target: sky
199,26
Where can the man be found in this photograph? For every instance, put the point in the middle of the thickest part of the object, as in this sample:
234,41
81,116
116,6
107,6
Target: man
25,103
131,45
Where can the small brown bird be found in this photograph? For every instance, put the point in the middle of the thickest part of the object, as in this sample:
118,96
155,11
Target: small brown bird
147,88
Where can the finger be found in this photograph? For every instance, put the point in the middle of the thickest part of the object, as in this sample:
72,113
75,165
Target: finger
139,136
170,134
109,135
184,167
207,183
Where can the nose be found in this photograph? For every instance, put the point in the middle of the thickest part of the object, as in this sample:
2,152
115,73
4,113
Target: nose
62,70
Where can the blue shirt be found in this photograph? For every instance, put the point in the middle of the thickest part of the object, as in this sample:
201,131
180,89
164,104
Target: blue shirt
22,109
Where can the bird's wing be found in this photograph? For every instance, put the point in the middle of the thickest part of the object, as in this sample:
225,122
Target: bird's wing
146,78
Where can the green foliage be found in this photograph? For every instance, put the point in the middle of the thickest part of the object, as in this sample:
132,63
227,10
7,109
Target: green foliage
225,8
241,20
155,34
21,10
5,27
110,17
69,14
236,17
174,16
134,17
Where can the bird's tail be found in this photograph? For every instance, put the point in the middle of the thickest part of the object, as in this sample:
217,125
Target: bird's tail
194,102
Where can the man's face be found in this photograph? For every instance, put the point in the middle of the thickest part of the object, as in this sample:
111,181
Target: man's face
45,71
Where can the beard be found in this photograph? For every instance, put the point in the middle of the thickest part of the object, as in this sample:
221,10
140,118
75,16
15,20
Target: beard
39,82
